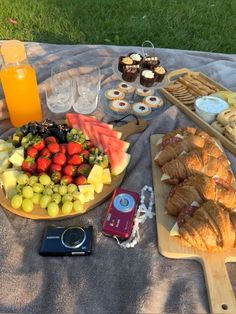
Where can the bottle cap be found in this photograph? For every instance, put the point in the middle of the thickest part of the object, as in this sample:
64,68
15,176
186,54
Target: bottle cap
13,51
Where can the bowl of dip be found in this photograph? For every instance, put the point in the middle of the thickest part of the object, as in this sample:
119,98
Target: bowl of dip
208,107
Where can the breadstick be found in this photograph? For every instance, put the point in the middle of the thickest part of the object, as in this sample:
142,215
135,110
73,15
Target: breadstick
204,81
194,88
197,83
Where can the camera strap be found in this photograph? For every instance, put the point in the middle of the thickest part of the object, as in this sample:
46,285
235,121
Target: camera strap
143,212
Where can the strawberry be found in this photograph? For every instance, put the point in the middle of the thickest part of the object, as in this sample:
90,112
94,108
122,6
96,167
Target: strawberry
74,148
75,160
39,143
55,167
43,164
32,152
50,139
45,152
80,180
69,170
29,165
63,148
53,148
85,154
59,159
56,176
84,169
66,180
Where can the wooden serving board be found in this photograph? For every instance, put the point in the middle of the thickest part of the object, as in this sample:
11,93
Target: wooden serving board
190,112
40,213
220,293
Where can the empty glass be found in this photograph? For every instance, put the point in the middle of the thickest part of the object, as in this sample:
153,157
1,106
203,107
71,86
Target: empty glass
87,89
61,89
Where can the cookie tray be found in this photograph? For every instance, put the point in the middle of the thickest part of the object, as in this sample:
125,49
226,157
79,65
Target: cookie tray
190,111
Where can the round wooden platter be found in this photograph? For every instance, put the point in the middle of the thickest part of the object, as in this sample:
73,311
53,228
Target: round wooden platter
38,213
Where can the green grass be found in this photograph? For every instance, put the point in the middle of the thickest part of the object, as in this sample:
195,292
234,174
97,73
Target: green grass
207,25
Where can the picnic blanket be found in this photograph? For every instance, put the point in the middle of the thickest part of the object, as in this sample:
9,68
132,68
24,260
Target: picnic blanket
112,279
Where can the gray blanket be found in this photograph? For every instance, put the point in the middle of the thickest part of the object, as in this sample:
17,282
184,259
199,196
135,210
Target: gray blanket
111,280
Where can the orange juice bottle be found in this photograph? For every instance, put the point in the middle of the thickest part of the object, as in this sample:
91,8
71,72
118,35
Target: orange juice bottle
19,84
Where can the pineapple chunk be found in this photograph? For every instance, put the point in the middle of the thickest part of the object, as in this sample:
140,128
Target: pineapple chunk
4,164
95,174
9,180
106,176
98,187
86,188
16,159
6,147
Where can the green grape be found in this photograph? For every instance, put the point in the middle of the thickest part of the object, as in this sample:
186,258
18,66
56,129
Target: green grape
27,205
22,179
48,191
67,207
72,188
27,192
38,187
33,180
67,198
44,179
53,209
12,193
36,198
44,201
78,207
62,189
56,197
76,195
16,201
56,188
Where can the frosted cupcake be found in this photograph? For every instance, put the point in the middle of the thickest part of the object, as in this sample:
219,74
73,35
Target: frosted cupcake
153,101
149,62
125,88
119,106
123,61
136,57
114,94
141,109
130,73
160,73
147,78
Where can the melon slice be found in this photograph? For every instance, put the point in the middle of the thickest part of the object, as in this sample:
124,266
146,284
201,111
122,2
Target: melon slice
72,120
118,159
92,119
114,142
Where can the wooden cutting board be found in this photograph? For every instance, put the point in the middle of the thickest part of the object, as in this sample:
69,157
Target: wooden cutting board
39,213
220,293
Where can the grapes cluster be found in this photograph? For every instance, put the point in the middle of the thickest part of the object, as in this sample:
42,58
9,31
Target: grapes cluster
43,192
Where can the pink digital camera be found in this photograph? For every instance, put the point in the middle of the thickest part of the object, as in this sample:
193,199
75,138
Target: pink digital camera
120,214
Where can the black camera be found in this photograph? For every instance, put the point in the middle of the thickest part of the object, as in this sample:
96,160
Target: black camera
60,241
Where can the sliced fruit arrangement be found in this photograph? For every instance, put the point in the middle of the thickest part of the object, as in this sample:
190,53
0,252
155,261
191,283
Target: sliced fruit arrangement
60,167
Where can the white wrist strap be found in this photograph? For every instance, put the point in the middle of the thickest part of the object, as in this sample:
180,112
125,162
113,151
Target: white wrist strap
141,215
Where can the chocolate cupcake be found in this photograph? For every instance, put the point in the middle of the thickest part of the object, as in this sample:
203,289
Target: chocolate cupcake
136,57
130,73
147,78
160,73
123,61
149,62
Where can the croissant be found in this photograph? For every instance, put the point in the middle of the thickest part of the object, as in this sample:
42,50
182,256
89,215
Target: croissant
210,228
195,162
200,188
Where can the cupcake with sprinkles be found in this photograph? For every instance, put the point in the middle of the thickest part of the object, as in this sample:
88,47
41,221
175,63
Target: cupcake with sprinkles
149,62
130,73
113,94
119,106
125,88
141,109
153,101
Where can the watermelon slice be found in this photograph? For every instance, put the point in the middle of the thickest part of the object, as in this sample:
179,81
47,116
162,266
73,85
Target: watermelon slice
72,120
118,159
114,142
92,119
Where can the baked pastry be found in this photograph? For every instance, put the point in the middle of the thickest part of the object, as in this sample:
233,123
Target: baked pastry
160,73
130,73
194,162
123,61
230,131
144,91
119,106
141,109
113,94
147,78
149,62
210,228
198,189
218,126
136,57
125,88
227,116
153,101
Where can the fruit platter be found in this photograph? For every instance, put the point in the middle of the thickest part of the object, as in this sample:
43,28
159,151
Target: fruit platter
52,170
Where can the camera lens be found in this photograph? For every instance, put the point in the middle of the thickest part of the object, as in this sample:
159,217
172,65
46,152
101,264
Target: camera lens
73,237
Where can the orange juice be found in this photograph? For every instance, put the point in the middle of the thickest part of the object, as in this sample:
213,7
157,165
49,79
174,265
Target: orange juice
19,84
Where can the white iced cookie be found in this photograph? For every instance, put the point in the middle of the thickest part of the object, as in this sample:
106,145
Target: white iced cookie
144,91
141,109
125,88
113,94
153,101
119,106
